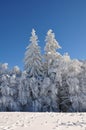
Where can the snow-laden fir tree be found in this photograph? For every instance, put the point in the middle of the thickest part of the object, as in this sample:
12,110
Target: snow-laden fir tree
34,68
75,93
51,49
51,43
58,74
82,86
51,55
33,58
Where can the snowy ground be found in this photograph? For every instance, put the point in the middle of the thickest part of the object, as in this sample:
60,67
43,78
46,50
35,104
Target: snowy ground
42,121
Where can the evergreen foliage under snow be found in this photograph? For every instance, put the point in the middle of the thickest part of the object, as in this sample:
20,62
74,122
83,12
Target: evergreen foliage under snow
49,82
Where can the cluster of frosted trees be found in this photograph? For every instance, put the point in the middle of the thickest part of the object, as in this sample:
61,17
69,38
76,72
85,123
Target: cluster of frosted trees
49,82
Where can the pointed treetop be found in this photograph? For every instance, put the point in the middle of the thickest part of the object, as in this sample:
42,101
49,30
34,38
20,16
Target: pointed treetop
33,32
51,43
51,38
33,38
49,32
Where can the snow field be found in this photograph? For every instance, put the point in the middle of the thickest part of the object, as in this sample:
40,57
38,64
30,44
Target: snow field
42,121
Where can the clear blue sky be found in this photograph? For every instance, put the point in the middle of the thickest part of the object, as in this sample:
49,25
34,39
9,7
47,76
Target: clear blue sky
67,18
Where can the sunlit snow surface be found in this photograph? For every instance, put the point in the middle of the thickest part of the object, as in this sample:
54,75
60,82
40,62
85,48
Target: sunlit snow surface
42,121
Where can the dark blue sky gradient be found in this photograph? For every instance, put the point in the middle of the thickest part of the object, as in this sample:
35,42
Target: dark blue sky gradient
67,19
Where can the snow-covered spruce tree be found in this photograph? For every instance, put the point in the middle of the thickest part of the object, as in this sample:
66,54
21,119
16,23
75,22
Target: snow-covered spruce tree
15,76
4,88
33,58
50,49
22,91
74,69
82,85
58,73
6,99
50,56
34,68
61,69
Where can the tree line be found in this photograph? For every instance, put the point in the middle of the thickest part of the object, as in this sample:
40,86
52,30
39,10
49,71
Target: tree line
50,82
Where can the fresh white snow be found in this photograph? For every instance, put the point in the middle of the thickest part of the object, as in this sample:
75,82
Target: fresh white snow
42,121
